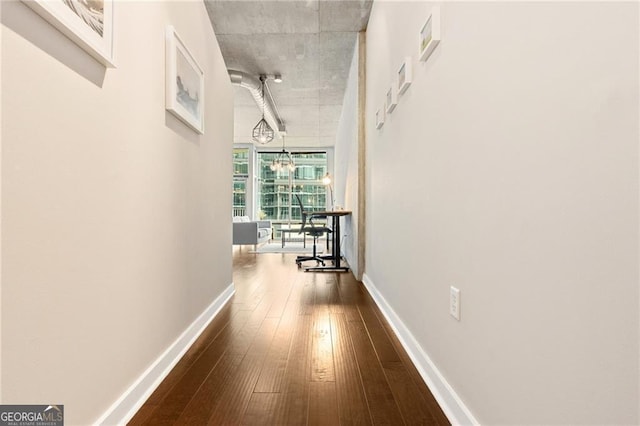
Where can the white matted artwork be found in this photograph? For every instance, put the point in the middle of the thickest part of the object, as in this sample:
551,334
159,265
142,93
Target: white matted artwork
429,34
184,83
392,98
88,23
404,75
380,115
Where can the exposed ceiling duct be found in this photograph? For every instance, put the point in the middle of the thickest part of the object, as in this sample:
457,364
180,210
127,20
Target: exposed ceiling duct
309,43
254,86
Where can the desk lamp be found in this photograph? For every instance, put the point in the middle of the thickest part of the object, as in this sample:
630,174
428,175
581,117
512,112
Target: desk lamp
326,180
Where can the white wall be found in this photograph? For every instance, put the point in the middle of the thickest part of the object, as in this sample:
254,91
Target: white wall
115,216
510,170
346,166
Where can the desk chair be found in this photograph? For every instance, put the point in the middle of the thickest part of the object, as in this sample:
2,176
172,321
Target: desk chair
314,230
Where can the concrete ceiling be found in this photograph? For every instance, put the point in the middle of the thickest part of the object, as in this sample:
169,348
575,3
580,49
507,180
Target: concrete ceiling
310,43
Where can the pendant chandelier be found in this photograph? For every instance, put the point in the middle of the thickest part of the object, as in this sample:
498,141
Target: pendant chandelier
263,133
282,161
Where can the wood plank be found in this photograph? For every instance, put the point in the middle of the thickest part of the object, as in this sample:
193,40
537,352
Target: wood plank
321,290
142,415
275,365
384,348
352,403
333,296
250,302
414,410
382,406
245,332
280,277
198,410
349,293
308,298
261,409
292,406
254,288
233,398
231,373
322,367
323,405
282,298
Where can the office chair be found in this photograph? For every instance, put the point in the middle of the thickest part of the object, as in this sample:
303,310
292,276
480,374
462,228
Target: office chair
314,230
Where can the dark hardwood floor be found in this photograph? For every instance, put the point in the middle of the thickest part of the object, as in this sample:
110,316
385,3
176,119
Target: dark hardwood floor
293,348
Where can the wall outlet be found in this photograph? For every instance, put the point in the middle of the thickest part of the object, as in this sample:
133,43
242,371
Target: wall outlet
454,302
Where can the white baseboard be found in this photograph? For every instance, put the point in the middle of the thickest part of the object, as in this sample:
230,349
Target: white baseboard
132,399
453,407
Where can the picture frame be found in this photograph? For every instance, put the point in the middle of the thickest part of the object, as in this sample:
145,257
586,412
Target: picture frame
404,75
392,98
429,36
184,81
89,27
380,116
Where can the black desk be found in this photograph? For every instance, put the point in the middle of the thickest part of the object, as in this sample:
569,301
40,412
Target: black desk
335,256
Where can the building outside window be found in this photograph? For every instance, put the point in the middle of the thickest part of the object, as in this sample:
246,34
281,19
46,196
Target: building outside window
240,177
239,197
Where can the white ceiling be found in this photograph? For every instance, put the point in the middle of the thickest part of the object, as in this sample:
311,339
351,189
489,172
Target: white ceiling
309,42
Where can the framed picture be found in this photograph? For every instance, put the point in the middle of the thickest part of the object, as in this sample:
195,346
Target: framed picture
184,92
89,24
392,98
404,76
380,117
429,34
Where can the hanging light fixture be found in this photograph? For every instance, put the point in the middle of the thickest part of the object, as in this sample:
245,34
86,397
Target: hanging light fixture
263,133
282,161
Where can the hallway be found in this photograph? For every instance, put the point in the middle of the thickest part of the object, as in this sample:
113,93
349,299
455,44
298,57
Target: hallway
293,348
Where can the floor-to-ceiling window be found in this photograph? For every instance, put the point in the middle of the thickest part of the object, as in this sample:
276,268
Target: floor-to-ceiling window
276,201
